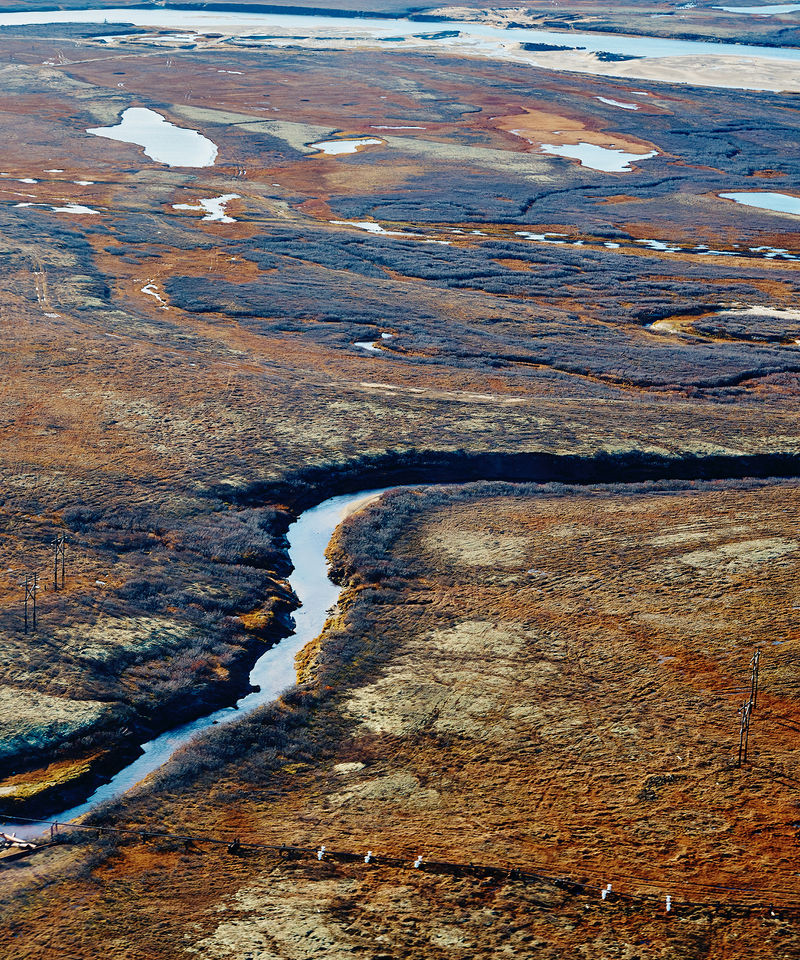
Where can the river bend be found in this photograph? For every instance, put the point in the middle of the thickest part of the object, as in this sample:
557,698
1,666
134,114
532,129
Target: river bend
272,673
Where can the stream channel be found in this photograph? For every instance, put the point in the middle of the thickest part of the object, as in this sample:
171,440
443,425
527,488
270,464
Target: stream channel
272,673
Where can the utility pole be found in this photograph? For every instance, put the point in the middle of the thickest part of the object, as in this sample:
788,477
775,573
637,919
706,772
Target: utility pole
31,586
744,730
59,551
754,679
747,709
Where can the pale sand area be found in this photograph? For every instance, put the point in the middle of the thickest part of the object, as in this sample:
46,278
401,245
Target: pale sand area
742,73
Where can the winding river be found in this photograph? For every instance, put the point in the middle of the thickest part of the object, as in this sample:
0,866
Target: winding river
272,673
462,36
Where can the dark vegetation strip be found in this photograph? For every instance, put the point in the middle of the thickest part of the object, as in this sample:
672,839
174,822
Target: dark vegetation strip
310,486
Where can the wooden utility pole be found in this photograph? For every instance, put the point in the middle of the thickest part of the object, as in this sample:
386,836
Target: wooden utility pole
59,551
747,709
31,586
744,731
754,679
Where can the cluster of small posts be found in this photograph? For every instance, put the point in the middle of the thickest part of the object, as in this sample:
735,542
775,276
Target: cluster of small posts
30,583
747,709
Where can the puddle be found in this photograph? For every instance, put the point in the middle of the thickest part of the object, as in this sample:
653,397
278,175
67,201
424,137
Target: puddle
54,171
162,140
333,148
68,208
589,155
618,103
74,208
150,289
375,228
764,200
385,127
544,237
214,207
373,346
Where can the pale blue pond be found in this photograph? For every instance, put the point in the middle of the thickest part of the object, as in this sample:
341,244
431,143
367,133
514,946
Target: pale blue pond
777,202
162,140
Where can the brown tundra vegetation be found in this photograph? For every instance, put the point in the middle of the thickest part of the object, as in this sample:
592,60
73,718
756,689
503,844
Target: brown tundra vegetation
533,676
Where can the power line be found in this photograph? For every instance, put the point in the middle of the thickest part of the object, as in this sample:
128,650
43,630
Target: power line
530,872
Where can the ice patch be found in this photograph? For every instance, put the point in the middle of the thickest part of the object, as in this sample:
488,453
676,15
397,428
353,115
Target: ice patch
375,228
69,208
373,346
541,237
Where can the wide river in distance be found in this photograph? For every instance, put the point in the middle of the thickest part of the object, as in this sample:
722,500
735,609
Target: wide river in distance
393,32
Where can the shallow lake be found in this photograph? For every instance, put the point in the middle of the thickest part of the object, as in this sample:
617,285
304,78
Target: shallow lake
597,158
778,202
162,140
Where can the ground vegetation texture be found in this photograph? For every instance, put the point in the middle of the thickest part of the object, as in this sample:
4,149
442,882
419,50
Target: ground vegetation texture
541,678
